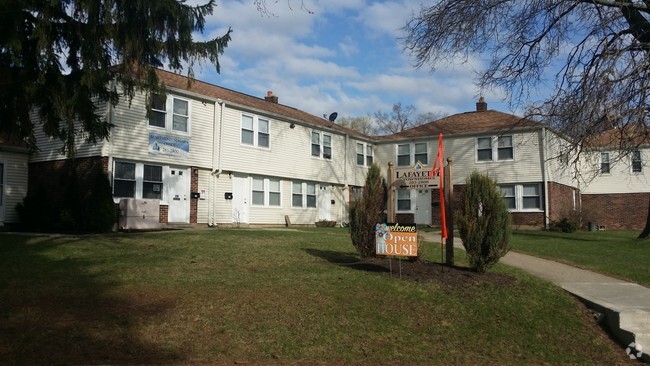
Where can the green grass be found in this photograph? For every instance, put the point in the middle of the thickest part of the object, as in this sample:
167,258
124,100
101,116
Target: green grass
268,296
617,253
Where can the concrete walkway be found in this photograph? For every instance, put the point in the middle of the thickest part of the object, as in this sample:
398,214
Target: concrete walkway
625,306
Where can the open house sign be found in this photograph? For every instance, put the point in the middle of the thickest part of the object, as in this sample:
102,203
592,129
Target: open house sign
396,240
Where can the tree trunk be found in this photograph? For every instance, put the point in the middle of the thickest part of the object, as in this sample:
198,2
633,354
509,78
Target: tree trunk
645,234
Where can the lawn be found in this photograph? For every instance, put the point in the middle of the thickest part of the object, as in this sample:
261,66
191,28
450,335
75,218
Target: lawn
269,296
617,253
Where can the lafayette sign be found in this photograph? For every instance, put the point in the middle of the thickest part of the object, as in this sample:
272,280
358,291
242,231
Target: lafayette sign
417,177
396,240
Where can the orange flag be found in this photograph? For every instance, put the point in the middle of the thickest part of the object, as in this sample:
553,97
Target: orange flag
439,170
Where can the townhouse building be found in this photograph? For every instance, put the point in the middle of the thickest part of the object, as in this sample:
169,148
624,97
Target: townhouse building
214,156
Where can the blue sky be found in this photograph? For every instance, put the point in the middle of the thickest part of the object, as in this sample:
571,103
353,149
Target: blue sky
345,57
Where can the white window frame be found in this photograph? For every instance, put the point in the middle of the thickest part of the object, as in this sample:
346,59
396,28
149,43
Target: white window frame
409,199
519,197
304,194
140,181
322,146
266,191
144,180
412,154
635,160
494,148
257,130
601,162
3,174
365,154
169,115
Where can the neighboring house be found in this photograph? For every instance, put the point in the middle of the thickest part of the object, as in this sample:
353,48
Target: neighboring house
214,156
514,151
13,179
615,185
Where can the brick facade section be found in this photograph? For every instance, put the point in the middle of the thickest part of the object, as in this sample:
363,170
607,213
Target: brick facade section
163,214
51,175
561,201
194,187
623,211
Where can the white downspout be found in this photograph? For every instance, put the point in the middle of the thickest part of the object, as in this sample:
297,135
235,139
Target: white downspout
216,171
545,177
111,118
345,180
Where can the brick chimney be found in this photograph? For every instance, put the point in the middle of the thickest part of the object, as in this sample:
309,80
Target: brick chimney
481,106
270,97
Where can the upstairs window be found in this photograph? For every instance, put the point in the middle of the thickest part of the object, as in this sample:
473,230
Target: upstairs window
495,148
404,155
321,145
637,163
421,154
604,163
170,113
255,131
364,154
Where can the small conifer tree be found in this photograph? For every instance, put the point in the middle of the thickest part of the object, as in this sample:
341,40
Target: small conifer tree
483,222
367,212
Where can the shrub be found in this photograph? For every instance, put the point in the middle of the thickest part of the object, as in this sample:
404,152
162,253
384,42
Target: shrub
35,212
565,225
368,211
483,222
99,211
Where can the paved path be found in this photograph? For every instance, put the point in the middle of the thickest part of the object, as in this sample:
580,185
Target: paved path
625,305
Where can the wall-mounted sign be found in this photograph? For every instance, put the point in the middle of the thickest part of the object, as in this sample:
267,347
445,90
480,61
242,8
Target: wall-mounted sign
396,240
177,147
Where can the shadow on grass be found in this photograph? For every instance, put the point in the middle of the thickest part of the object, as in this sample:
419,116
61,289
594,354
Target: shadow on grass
55,309
548,234
346,259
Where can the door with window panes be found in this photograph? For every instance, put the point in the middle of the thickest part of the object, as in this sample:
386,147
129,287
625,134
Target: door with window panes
178,194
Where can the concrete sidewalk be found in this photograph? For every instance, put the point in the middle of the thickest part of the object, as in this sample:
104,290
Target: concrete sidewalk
625,306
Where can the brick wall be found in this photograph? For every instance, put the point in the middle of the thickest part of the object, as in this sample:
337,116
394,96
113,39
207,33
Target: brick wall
561,201
616,211
164,214
194,202
52,175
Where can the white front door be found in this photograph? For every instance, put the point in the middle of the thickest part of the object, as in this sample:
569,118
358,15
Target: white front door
178,194
240,193
2,194
324,203
423,207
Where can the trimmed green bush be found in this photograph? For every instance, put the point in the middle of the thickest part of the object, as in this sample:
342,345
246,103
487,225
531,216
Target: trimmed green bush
483,222
367,212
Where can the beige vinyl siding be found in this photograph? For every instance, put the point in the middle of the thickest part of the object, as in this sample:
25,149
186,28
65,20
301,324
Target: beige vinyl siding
50,148
289,153
558,160
15,183
621,179
130,136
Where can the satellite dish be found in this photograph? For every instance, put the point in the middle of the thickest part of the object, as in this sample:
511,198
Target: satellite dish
333,116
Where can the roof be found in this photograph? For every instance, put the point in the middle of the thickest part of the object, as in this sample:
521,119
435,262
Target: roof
216,92
467,123
12,144
625,137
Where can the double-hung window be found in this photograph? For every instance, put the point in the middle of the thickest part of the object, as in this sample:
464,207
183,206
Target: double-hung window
522,197
255,131
170,113
421,154
637,162
152,182
124,179
403,200
604,163
404,155
364,154
321,145
2,187
266,192
303,194
495,148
